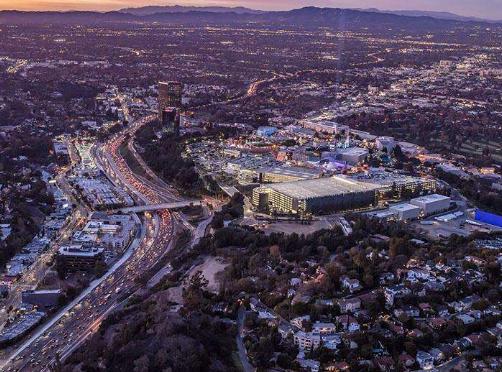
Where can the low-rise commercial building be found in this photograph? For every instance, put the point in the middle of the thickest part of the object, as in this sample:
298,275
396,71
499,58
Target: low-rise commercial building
431,204
352,155
78,257
42,298
405,211
20,327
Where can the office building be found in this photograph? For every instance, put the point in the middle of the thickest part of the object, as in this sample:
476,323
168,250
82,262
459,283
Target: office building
314,196
170,95
78,257
170,120
327,127
14,331
431,204
61,153
352,155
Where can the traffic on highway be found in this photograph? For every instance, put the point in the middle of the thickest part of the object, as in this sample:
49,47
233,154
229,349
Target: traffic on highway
69,328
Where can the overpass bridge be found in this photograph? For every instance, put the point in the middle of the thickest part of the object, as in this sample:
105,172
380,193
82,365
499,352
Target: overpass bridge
159,207
229,190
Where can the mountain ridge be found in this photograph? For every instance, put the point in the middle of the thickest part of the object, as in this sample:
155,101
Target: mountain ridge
433,14
307,17
152,9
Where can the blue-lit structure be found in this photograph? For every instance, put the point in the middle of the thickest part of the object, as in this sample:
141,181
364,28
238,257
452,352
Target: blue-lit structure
489,218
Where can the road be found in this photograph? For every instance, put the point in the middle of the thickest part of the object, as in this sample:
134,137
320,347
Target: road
36,272
243,356
71,326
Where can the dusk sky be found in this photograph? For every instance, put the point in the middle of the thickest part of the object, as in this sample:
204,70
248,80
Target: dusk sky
480,8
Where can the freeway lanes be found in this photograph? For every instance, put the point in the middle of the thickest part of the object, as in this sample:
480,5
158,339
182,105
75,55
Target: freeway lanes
78,320
59,317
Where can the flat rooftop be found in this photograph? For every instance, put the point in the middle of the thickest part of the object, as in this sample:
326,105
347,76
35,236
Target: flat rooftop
322,187
291,171
353,151
44,291
431,198
404,207
78,250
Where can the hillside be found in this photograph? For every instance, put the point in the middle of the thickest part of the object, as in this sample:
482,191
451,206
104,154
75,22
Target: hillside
149,10
310,17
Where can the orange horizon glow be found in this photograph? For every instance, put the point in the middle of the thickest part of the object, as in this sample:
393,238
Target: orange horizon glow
489,9
109,5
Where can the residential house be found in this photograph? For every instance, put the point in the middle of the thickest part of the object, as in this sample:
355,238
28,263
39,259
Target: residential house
466,319
348,323
306,340
437,323
395,291
468,301
442,310
338,367
285,329
425,360
384,363
496,332
349,305
406,360
437,354
411,311
352,285
386,278
309,364
300,321
331,342
416,274
426,309
323,328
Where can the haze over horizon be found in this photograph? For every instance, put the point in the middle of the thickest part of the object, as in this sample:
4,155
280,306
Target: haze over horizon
489,9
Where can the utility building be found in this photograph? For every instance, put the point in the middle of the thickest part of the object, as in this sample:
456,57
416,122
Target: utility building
431,204
406,211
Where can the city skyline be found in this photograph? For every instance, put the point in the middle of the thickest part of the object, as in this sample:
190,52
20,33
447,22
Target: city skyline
489,9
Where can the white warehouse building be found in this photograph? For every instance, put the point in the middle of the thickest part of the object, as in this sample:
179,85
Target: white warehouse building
431,204
405,211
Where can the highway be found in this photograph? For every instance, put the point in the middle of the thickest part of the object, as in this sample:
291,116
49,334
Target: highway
72,325
158,207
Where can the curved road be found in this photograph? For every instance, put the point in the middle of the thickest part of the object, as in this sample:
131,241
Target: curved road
71,326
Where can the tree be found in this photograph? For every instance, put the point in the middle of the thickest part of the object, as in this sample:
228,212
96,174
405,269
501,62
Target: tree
410,348
194,293
141,364
275,251
99,268
198,282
